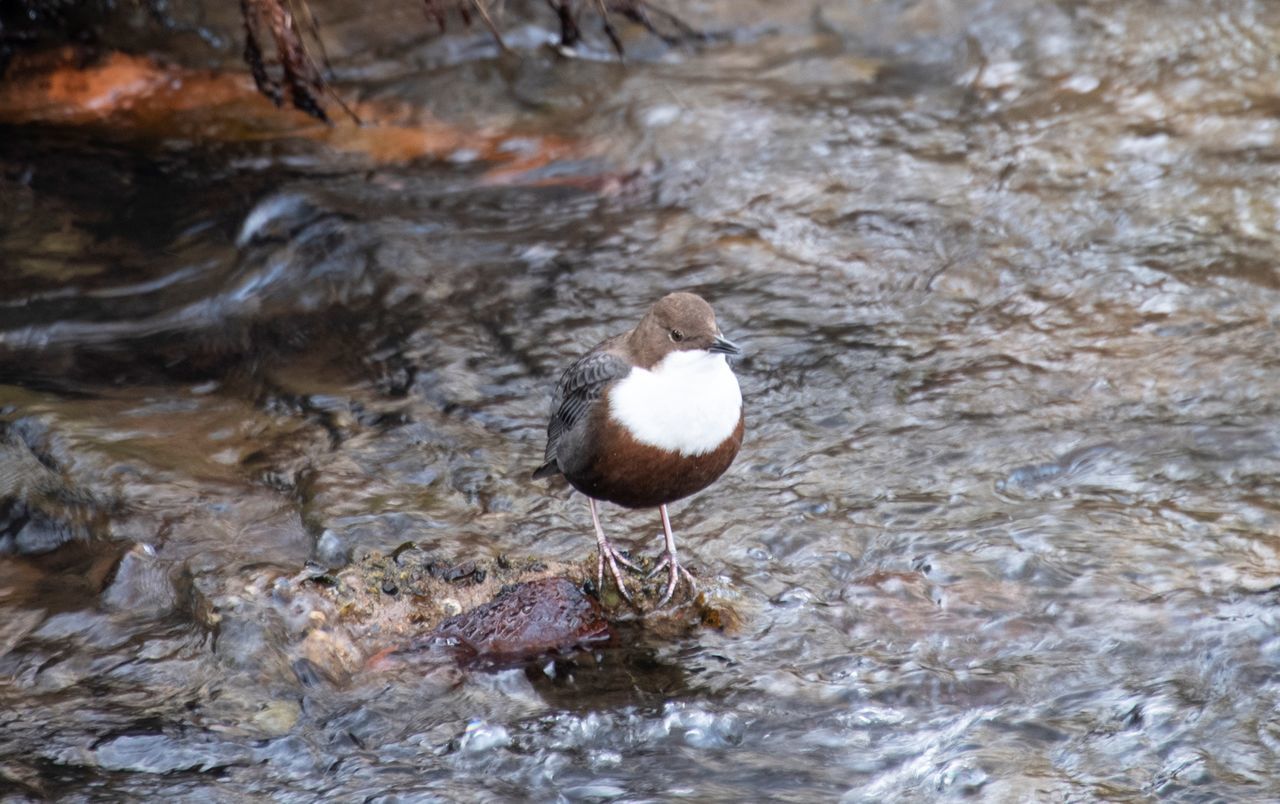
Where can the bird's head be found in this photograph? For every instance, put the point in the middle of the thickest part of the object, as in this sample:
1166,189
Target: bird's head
678,322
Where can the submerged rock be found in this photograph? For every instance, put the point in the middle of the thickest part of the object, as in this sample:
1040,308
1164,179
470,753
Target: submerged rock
41,508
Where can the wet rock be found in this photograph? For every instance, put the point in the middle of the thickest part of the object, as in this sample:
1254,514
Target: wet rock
163,753
40,509
308,674
429,589
282,629
141,584
15,627
331,649
321,627
332,550
26,531
529,619
407,553
463,571
276,718
21,777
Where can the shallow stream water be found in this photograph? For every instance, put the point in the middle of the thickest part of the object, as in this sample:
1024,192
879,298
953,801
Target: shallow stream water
1007,518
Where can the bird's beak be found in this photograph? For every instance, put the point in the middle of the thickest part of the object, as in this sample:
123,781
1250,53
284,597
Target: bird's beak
724,346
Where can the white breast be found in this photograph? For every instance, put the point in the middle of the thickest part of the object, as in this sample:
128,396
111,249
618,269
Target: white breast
688,403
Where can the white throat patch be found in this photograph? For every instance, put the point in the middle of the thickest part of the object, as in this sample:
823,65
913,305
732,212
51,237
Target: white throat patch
688,403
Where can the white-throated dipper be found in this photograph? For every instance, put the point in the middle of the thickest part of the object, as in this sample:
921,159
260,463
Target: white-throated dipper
646,418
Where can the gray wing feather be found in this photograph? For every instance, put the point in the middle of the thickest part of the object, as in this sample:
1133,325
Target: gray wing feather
581,385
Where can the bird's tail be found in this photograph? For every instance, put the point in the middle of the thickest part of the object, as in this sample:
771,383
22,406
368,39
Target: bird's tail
547,470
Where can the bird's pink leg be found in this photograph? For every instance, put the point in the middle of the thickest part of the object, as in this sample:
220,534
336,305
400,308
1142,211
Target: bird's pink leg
670,561
608,555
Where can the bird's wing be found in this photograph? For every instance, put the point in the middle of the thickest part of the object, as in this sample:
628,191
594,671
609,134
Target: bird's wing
581,385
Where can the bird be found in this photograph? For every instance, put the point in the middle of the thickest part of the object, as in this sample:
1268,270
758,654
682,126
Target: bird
646,418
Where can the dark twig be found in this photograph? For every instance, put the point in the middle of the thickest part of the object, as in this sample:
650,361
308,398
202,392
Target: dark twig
297,76
300,79
300,74
267,85
638,11
609,30
642,12
436,12
319,68
488,21
570,33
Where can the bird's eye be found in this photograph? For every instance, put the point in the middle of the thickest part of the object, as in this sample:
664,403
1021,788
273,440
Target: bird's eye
677,335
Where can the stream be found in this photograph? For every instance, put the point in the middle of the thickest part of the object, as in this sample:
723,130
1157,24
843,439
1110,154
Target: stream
1005,524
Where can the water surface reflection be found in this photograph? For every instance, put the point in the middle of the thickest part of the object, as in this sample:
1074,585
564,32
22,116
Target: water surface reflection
1005,521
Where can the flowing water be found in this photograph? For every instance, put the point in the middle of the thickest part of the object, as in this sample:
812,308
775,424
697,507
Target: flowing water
1007,518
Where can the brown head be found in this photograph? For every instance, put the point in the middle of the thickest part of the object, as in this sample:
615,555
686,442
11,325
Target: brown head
679,321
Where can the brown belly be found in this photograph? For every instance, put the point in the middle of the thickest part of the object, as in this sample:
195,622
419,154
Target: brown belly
625,472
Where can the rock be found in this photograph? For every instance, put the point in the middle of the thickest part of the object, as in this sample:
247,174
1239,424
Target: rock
276,718
528,620
140,584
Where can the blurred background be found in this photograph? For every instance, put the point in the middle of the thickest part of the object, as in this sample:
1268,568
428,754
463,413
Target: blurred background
1006,523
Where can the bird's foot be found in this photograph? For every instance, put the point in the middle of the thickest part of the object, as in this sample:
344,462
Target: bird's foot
674,570
626,562
609,556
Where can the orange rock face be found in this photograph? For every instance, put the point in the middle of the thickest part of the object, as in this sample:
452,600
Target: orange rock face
140,97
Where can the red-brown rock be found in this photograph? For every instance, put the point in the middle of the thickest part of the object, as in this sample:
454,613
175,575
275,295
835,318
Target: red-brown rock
527,619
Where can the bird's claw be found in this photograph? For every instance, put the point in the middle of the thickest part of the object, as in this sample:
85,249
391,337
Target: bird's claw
608,556
675,570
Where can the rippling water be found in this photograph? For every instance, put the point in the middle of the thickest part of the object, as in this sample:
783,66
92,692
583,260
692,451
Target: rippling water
1007,519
